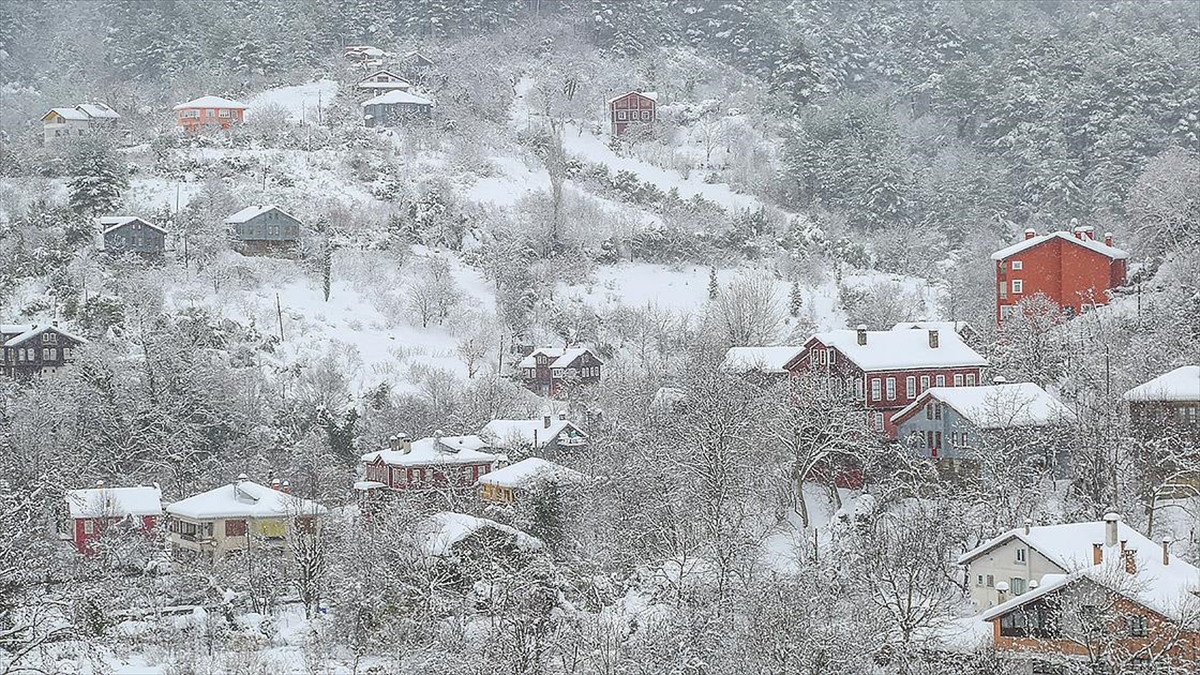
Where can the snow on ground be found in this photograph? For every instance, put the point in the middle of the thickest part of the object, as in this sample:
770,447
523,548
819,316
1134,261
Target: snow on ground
787,542
301,101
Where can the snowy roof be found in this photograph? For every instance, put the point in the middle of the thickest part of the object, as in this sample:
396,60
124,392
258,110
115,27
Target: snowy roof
68,113
114,502
397,97
110,223
652,95
761,359
98,111
367,82
366,50
956,326
899,349
535,433
32,331
1165,589
1086,242
996,406
563,357
251,212
210,102
444,530
530,473
435,451
1181,384
243,499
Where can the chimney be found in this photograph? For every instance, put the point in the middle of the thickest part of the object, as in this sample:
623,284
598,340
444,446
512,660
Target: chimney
1030,233
1166,549
1110,528
54,323
933,338
242,477
1002,591
1129,557
1089,232
404,443
1033,583
286,488
999,379
546,421
1097,554
1028,524
562,415
275,484
862,333
1078,233
1108,239
394,443
100,486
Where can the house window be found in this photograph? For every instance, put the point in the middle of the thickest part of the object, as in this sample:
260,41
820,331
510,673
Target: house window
937,439
620,115
929,411
910,386
1017,585
958,380
645,115
208,113
964,439
235,528
1139,626
970,379
49,354
878,420
1018,286
924,383
823,357
223,113
941,380
991,582
1003,291
875,393
88,527
937,411
891,388
1020,556
832,356
49,338
1016,265
858,388
979,580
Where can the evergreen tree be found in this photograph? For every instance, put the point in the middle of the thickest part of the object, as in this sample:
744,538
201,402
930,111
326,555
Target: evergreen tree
795,300
713,289
98,176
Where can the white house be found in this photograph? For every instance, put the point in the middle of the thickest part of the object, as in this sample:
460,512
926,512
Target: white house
548,433
239,516
528,475
62,123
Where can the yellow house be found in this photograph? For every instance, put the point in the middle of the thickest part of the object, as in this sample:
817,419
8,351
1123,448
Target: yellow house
239,516
505,485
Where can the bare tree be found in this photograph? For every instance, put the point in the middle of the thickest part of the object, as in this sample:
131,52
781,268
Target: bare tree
748,311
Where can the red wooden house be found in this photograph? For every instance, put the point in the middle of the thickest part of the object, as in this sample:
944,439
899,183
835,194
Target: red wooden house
440,462
546,369
638,109
209,113
1072,269
887,370
91,513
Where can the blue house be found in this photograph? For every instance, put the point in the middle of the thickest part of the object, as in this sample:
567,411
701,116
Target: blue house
961,426
258,230
396,108
129,234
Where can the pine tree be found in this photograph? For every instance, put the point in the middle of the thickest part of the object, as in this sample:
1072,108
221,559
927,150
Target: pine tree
713,289
98,177
795,300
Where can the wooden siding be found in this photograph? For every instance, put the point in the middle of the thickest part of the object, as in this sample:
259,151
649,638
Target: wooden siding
269,226
45,353
135,237
396,114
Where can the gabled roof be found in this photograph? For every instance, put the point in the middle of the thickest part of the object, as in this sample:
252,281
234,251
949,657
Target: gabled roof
562,357
956,326
437,451
67,113
98,111
32,331
759,359
1086,242
244,499
442,531
395,97
110,223
1181,384
995,406
211,102
366,82
114,502
1162,588
652,95
901,349
531,473
534,433
251,212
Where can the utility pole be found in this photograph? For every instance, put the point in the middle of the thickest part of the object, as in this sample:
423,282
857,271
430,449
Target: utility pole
279,315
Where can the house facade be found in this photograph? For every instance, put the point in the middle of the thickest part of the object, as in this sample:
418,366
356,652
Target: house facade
517,481
632,110
239,516
885,371
1098,591
1070,268
381,82
129,234
396,108
92,512
263,230
546,370
60,124
439,462
31,350
1169,402
955,425
209,113
548,435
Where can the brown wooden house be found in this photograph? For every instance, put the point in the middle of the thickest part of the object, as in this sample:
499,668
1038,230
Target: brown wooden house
632,110
30,350
547,369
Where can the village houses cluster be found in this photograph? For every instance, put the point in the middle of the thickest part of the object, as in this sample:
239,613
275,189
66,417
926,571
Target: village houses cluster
923,385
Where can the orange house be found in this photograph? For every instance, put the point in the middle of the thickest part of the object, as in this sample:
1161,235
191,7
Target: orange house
1072,269
209,113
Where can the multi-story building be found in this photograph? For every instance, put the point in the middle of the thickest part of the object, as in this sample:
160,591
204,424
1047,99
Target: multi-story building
209,113
29,350
546,370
